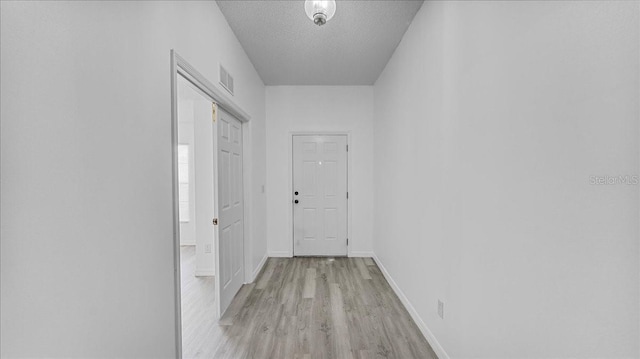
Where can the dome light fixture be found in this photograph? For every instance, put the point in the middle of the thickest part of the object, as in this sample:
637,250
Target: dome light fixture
320,11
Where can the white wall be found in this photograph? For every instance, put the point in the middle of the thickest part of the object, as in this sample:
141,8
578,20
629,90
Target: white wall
319,108
87,248
489,120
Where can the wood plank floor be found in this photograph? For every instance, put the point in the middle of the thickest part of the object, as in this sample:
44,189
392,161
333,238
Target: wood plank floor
199,326
307,308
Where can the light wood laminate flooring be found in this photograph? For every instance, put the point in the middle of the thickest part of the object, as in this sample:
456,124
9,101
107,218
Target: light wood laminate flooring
307,308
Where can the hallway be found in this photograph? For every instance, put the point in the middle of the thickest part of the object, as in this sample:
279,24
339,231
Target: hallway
362,179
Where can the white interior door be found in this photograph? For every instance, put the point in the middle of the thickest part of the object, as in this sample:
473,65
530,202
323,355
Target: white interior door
230,208
320,195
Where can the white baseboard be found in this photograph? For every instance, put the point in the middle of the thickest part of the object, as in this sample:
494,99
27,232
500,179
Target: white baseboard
363,254
280,254
259,267
435,345
205,273
187,243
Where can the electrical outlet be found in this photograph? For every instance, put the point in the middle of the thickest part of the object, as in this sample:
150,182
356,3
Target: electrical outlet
207,248
440,309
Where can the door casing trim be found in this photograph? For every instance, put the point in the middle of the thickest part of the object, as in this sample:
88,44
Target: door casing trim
180,67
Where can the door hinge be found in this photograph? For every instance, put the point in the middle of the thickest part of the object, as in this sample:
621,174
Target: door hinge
215,221
347,241
347,148
214,110
347,195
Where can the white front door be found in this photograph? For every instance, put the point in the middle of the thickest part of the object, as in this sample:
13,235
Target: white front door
230,244
319,195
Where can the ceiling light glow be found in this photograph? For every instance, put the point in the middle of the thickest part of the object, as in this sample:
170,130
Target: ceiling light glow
320,11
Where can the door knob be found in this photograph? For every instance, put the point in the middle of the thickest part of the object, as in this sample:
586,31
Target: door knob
296,193
296,201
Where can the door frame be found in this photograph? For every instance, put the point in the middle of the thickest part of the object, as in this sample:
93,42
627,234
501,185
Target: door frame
290,181
180,67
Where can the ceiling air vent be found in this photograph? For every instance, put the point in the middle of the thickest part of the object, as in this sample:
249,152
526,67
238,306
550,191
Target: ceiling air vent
226,80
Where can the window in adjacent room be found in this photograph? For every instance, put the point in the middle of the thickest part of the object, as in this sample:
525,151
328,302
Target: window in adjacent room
183,182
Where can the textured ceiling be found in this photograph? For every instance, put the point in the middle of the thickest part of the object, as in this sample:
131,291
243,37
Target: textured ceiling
287,48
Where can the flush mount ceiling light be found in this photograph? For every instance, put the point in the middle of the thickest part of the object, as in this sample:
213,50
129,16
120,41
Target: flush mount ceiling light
320,11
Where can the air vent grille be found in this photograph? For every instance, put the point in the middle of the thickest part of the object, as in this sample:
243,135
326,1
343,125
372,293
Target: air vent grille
226,80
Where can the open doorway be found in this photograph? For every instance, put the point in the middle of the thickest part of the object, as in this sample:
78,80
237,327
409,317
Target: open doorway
196,197
208,205
196,176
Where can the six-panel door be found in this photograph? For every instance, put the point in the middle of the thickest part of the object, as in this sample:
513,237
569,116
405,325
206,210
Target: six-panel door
230,208
320,195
